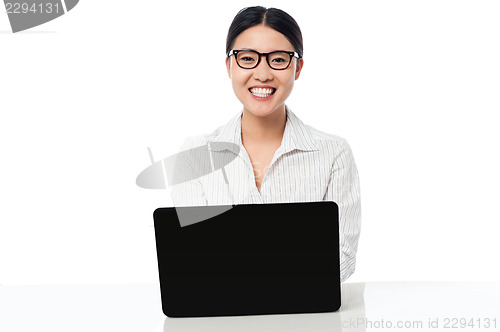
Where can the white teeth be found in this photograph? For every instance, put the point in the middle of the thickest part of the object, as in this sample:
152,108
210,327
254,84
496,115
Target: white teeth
261,92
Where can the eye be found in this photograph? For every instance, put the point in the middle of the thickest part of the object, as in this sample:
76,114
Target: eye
279,60
247,59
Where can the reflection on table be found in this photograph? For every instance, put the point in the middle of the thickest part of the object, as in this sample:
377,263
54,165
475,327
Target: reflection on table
353,308
391,306
373,306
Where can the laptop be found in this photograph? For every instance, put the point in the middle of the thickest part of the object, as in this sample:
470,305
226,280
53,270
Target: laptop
252,259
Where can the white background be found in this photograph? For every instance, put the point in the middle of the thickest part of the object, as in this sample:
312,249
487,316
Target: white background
412,85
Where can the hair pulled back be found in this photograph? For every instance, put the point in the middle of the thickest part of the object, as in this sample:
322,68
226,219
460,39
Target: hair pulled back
274,18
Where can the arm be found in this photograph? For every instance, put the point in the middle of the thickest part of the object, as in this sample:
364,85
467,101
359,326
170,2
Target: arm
187,193
343,189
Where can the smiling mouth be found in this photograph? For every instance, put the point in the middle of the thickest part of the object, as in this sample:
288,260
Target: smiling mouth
262,92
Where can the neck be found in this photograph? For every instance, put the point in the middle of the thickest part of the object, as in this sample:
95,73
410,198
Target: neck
263,129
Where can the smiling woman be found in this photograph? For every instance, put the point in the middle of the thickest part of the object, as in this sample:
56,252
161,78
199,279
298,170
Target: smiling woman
263,86
279,159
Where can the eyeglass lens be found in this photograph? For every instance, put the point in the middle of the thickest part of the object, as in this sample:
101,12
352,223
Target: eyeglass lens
249,59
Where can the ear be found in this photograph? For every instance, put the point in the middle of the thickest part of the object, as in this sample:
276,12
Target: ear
298,68
228,66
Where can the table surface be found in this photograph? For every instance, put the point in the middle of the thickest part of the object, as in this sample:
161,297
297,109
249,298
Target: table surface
397,306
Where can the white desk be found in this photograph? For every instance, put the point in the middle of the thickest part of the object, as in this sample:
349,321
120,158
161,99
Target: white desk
396,306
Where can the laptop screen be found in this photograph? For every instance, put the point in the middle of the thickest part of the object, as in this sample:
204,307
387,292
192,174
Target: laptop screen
251,259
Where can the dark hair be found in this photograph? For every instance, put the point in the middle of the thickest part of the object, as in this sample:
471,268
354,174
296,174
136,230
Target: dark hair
271,17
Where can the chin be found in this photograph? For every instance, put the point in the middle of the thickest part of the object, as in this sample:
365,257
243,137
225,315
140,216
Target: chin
261,110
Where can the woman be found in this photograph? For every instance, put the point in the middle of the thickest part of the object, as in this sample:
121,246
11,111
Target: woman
269,155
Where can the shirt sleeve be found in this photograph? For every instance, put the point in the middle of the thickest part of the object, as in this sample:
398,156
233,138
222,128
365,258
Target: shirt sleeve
189,190
343,189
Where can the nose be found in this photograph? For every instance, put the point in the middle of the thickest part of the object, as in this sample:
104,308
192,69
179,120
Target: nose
263,72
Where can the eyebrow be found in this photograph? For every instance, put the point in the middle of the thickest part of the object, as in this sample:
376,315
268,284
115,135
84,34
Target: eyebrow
250,49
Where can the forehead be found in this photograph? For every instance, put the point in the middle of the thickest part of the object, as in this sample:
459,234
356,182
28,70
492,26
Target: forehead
263,39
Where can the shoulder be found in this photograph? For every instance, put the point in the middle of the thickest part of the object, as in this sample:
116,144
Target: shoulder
225,133
336,148
324,140
201,140
320,139
319,136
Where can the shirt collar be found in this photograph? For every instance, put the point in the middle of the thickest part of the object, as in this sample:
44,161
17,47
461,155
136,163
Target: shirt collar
295,136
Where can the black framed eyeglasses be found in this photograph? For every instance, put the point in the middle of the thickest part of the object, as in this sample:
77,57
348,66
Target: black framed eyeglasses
277,60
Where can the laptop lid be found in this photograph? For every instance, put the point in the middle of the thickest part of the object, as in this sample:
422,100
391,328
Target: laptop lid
252,259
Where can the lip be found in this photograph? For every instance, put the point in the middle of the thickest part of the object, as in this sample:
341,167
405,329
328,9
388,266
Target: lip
262,86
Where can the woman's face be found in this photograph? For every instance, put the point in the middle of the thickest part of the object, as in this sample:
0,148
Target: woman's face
263,39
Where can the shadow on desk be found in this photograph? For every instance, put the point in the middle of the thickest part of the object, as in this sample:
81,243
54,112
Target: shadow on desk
347,318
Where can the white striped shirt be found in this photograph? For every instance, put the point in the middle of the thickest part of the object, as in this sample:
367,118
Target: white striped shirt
309,166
